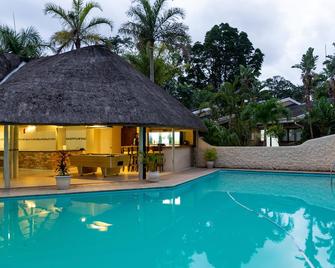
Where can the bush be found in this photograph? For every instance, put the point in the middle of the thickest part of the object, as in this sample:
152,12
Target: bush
210,154
220,136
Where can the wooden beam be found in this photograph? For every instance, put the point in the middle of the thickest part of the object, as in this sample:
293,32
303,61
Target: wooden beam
142,151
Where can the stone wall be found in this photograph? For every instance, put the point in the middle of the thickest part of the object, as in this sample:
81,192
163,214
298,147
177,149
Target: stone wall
313,155
38,160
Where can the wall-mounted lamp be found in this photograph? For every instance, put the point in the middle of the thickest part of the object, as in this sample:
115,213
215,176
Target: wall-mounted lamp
29,129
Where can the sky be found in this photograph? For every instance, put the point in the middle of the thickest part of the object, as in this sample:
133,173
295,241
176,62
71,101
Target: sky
282,29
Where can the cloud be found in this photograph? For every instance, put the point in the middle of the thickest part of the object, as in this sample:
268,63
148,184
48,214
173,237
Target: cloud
283,30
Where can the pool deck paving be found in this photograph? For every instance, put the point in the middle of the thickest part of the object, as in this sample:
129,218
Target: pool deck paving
166,181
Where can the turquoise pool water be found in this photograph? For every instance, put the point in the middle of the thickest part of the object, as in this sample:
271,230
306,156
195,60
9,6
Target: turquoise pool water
227,219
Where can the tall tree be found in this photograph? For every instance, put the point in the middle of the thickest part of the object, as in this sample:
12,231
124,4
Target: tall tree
307,66
280,88
78,29
153,23
218,59
27,43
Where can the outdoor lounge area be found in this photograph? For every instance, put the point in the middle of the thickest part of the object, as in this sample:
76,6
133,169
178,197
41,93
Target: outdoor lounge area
104,133
96,154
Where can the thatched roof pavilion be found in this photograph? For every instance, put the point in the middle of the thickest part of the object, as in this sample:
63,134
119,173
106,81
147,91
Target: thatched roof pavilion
89,86
8,62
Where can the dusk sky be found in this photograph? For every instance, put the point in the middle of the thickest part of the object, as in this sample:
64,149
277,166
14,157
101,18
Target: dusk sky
283,29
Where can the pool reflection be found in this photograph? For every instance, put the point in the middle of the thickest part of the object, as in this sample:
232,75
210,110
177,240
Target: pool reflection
197,225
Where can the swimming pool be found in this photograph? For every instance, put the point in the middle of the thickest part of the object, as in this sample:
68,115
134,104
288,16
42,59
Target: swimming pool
226,219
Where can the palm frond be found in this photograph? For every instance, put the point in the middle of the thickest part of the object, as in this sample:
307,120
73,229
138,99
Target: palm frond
87,9
98,21
58,12
90,39
172,33
60,41
158,6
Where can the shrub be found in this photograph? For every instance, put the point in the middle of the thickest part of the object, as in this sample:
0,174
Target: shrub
220,136
210,154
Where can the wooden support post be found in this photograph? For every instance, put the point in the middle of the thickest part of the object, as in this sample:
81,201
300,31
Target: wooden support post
142,151
196,144
6,168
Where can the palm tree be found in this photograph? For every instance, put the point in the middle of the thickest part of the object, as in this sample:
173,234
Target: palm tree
226,102
27,43
307,67
329,71
152,23
77,29
267,114
323,116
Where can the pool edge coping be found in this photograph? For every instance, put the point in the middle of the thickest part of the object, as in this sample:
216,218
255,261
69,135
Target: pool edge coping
142,187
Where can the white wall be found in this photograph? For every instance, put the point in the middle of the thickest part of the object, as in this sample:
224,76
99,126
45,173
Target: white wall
183,158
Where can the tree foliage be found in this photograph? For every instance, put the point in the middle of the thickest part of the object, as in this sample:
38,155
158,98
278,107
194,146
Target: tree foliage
278,87
154,23
78,29
27,43
219,58
219,135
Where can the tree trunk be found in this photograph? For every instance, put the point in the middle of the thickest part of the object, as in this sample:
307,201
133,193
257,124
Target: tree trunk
150,48
308,85
78,43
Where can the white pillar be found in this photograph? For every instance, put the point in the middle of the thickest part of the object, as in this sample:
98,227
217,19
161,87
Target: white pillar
6,168
11,146
16,152
173,150
141,151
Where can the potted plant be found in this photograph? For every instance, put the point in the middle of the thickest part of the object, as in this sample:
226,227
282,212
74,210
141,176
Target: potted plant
63,178
210,157
151,161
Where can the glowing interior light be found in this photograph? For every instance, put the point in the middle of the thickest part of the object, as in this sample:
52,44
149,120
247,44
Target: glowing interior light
30,129
98,126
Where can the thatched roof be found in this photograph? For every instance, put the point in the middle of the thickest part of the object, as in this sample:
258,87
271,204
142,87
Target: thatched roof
8,62
88,86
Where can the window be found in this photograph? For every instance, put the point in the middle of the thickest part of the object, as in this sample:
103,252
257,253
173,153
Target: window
298,134
291,134
165,138
285,137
